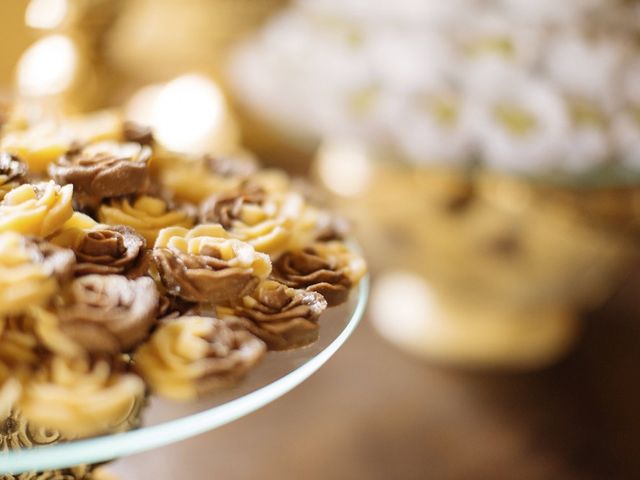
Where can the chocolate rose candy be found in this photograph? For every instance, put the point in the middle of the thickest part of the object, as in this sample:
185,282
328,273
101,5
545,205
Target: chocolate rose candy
134,132
201,265
192,355
328,268
111,250
108,314
202,278
103,170
306,269
225,207
282,317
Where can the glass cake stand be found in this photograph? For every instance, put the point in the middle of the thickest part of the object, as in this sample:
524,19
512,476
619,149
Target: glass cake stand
165,422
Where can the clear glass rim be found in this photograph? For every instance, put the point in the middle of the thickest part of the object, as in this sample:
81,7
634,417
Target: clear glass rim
109,447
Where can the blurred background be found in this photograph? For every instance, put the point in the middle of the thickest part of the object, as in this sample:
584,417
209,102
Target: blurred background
487,154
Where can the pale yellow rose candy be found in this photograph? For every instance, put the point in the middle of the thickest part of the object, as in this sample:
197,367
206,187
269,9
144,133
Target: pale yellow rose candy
24,279
192,355
292,224
208,239
269,227
147,215
193,182
46,326
79,399
73,230
10,390
18,345
193,178
43,143
39,209
272,180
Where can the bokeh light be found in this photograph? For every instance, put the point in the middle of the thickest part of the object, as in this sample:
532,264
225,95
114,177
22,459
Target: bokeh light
187,111
344,167
47,67
46,14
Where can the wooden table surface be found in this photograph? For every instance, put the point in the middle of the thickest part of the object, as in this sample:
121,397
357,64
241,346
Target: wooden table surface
375,413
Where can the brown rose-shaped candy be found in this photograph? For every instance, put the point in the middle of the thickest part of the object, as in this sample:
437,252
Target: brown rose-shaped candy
134,132
329,268
12,172
111,250
282,317
225,207
332,229
202,278
192,355
306,269
200,265
107,314
103,170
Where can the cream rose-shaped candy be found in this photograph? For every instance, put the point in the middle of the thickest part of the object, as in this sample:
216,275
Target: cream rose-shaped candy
192,355
147,215
19,344
40,329
30,272
78,398
330,269
108,313
203,265
104,169
194,179
43,143
39,209
281,316
269,222
10,390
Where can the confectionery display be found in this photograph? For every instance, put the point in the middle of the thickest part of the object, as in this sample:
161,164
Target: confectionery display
120,275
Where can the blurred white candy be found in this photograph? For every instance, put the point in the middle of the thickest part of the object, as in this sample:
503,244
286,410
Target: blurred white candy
520,125
587,68
451,81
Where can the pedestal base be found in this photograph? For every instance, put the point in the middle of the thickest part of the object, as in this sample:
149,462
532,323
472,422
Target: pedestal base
478,336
